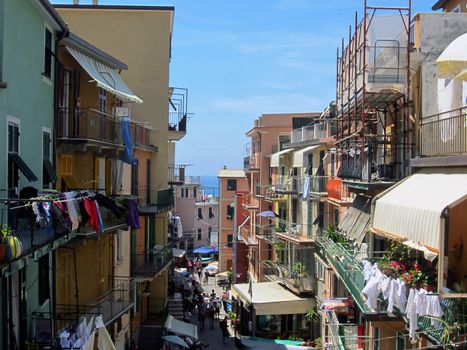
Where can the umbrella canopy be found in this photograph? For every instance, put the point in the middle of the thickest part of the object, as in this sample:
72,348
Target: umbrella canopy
453,60
267,214
211,267
175,339
205,250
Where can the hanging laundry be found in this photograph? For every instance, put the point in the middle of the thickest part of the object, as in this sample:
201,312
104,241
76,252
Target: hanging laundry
434,309
99,217
401,295
71,209
411,312
384,286
89,345
421,302
392,295
110,204
371,290
62,225
133,214
91,209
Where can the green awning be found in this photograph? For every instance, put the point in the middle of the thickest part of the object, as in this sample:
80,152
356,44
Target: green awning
15,158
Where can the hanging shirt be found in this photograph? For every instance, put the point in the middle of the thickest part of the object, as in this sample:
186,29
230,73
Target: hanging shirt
91,209
434,309
421,302
371,290
411,312
392,297
401,295
133,214
71,209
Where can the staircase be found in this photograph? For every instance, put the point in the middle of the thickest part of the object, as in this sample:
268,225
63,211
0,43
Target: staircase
176,306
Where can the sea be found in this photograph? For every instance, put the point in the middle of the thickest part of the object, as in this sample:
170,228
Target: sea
210,183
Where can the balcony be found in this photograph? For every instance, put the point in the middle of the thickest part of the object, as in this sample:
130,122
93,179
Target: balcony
350,271
313,185
286,184
444,134
266,232
150,263
250,201
110,220
178,113
154,202
295,233
247,237
140,136
292,277
337,191
313,134
270,194
114,303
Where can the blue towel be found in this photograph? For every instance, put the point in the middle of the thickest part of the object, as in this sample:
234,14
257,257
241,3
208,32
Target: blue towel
127,155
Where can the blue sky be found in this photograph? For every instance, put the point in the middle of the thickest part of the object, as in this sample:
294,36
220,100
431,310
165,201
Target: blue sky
242,58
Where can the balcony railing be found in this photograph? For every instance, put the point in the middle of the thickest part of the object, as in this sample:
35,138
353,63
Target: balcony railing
286,184
140,135
118,300
296,232
444,134
315,185
88,124
177,121
349,269
151,262
271,194
337,191
155,201
344,336
267,232
158,310
313,132
299,282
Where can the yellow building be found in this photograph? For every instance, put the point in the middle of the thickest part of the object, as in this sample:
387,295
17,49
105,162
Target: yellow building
144,43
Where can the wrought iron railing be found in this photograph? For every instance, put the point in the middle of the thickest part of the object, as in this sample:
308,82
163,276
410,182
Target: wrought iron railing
285,183
151,262
315,185
444,134
344,335
177,121
113,303
159,199
158,310
298,281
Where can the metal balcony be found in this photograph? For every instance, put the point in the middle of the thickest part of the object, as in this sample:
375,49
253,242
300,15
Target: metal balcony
296,233
154,202
299,283
178,113
344,262
344,336
286,184
316,186
150,263
112,304
315,132
444,134
250,201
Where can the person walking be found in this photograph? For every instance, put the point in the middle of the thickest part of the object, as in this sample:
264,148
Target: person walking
206,277
224,328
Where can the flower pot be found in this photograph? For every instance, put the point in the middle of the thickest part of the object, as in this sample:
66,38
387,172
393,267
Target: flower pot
2,251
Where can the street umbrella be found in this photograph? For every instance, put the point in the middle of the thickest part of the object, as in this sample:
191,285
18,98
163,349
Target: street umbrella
453,60
175,339
267,214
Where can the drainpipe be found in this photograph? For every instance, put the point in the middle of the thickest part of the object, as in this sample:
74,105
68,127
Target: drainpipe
443,229
235,241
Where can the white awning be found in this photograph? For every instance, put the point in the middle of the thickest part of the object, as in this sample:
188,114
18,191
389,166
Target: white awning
182,328
270,298
299,160
356,220
275,157
105,77
412,209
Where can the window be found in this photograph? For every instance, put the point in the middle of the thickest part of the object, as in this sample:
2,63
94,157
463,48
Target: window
200,213
13,149
186,192
102,100
211,213
194,192
333,164
400,341
44,282
231,185
182,190
199,234
48,172
320,269
209,232
229,240
336,216
376,338
230,212
283,139
48,54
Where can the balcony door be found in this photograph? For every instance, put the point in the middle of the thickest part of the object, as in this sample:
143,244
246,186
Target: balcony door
64,103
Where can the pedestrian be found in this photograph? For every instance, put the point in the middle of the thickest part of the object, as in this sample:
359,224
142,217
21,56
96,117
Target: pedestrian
211,313
250,328
224,328
206,277
201,316
213,294
199,273
217,307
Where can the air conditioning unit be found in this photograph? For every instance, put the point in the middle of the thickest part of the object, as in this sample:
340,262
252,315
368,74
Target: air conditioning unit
123,112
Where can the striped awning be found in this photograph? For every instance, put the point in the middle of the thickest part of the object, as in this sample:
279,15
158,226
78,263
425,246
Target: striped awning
275,157
105,77
356,220
299,160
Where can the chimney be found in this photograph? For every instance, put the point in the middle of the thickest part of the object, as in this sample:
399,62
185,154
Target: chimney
225,167
75,2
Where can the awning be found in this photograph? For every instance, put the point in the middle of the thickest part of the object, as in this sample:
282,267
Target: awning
270,298
106,77
299,160
453,60
182,328
356,220
22,166
275,157
412,209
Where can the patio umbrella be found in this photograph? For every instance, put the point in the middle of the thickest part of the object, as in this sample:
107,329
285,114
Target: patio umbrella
267,214
175,339
453,60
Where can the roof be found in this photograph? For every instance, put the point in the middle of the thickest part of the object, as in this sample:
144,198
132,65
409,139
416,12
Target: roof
54,14
439,5
270,298
357,218
77,42
116,7
231,173
413,208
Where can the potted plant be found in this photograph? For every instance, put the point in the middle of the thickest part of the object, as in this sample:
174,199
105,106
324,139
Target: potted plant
4,233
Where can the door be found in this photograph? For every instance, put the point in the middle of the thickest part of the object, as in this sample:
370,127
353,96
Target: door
101,175
64,104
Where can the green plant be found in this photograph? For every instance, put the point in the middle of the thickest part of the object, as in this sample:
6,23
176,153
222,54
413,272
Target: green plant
311,314
298,268
5,231
232,316
278,247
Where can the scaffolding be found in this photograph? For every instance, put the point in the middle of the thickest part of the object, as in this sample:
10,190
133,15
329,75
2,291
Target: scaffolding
372,96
